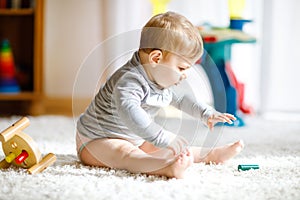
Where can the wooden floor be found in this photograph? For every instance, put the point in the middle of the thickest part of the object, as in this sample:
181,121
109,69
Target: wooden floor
47,106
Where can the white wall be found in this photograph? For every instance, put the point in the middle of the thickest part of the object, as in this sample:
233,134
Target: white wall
72,29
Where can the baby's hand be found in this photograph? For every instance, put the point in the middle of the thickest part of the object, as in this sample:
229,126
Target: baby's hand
178,145
219,117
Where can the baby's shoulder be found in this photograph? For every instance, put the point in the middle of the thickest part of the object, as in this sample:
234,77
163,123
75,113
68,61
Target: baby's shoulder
131,77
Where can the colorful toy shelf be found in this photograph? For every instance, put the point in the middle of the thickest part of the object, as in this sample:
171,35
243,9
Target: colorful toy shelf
225,35
23,28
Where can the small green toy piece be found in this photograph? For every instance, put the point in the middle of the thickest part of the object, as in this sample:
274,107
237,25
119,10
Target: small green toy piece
247,167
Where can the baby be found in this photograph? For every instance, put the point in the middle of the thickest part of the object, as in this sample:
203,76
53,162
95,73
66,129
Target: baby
117,130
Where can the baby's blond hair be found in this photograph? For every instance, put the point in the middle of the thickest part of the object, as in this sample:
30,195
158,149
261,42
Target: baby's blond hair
173,33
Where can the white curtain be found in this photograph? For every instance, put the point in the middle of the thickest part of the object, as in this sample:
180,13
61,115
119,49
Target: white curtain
280,67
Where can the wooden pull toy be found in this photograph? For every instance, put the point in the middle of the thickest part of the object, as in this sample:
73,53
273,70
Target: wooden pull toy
21,150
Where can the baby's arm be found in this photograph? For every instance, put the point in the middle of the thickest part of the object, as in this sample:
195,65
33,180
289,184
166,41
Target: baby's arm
201,110
128,95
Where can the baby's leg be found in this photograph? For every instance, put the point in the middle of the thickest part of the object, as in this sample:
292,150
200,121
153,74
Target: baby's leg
217,155
121,154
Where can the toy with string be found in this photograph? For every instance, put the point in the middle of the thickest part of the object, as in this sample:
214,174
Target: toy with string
20,149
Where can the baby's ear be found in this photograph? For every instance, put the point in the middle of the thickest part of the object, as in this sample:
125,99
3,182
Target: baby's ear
155,56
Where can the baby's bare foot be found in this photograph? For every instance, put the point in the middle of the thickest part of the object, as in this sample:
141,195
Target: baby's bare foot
178,168
220,155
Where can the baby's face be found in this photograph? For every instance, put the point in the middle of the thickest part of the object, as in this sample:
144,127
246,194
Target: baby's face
170,70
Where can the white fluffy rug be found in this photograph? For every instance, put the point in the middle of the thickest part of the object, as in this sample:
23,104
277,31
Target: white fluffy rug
274,145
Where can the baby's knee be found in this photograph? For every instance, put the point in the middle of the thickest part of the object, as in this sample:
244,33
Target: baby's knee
125,152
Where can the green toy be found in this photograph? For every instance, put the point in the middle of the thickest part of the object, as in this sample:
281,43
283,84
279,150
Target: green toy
247,167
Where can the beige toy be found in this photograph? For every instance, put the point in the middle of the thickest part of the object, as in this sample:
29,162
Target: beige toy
21,151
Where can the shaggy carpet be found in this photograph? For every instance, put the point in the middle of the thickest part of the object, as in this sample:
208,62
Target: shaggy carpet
274,145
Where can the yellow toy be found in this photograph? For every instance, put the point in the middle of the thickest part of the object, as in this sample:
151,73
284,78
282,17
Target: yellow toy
236,8
159,6
21,151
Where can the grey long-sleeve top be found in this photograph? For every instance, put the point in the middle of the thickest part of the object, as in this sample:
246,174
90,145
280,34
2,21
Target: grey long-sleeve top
126,105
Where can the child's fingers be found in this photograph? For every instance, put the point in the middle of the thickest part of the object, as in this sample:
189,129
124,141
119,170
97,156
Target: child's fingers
222,118
188,152
230,116
210,125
